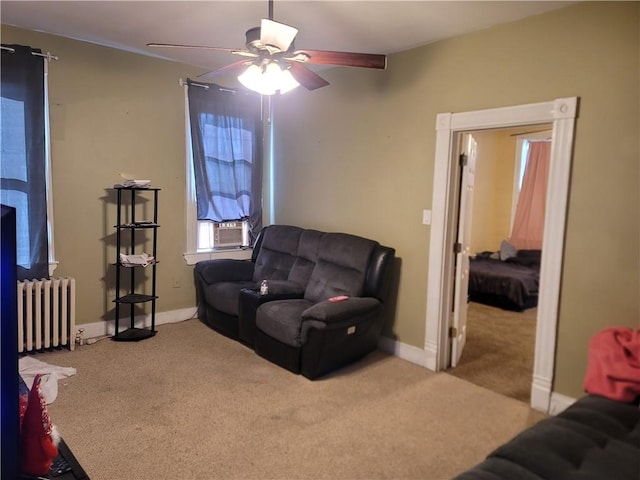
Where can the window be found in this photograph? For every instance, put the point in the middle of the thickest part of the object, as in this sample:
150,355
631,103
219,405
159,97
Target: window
224,169
24,170
520,163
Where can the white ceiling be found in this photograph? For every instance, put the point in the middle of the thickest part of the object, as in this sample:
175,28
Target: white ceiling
370,26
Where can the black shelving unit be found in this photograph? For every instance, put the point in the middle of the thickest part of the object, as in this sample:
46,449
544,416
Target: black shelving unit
133,226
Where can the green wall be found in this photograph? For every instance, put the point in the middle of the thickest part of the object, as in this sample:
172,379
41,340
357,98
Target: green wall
358,156
113,112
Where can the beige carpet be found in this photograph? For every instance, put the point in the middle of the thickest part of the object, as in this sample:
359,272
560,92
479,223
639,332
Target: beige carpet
499,351
192,404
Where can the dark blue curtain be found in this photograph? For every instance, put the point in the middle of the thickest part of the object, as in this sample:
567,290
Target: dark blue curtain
23,169
227,138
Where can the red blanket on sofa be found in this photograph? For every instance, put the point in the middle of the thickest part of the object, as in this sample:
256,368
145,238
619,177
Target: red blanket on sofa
613,368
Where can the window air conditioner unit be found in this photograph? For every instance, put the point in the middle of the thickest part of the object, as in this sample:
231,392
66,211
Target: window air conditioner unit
231,234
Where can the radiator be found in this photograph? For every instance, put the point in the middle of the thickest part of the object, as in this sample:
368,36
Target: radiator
46,314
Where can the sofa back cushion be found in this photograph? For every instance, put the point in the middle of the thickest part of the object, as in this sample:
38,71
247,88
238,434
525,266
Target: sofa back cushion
278,252
306,258
341,267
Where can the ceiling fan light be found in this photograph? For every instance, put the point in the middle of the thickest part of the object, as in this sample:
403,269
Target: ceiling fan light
287,82
267,79
252,79
272,75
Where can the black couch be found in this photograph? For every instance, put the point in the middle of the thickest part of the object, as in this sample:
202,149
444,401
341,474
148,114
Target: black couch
325,302
596,438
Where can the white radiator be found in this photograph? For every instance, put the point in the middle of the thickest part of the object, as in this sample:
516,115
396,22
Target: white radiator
46,313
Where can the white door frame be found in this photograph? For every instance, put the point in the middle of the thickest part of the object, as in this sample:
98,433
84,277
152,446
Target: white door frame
559,112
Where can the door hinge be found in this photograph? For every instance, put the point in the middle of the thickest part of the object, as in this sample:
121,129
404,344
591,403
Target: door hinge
453,332
457,247
464,159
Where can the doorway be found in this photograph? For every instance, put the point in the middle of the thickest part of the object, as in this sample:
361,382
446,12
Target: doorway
500,325
561,114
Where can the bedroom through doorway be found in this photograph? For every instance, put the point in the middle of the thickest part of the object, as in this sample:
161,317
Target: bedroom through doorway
501,326
446,333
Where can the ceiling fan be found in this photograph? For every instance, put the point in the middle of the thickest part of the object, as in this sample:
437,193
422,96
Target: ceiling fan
273,64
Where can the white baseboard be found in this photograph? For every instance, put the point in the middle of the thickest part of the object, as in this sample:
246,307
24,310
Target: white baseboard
107,327
402,350
431,355
559,403
540,394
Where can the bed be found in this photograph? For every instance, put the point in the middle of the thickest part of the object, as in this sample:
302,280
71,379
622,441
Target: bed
508,282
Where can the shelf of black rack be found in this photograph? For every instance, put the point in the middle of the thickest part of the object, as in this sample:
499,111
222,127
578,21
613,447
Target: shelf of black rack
135,187
133,265
135,298
130,226
133,335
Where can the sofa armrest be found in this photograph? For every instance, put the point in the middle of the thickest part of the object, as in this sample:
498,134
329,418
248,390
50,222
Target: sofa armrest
225,270
335,312
338,315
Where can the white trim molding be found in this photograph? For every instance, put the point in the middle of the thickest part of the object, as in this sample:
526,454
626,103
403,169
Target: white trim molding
190,213
107,327
191,258
559,403
561,113
402,350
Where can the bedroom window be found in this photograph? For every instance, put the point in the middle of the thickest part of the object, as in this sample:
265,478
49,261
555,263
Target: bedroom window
224,170
25,171
523,163
520,163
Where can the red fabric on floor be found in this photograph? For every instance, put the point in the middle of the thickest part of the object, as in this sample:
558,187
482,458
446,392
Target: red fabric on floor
613,368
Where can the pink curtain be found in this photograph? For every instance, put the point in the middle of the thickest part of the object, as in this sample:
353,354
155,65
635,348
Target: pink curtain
528,224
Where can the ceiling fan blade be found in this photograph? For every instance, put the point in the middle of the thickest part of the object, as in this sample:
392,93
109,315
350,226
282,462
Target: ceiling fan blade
277,34
202,47
229,69
347,59
305,77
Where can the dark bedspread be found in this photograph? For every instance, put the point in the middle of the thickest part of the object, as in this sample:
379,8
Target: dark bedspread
513,281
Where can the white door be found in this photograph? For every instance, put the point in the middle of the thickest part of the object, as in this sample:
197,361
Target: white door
461,285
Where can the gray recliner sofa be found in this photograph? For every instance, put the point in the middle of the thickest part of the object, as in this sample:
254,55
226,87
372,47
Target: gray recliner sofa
596,438
325,302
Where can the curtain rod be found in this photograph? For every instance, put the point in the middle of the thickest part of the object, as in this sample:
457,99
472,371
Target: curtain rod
182,83
47,55
529,133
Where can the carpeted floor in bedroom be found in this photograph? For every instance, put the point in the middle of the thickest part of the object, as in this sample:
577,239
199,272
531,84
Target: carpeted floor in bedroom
499,351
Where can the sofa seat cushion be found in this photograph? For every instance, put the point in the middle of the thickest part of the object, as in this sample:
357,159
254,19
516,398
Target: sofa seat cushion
224,296
282,320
